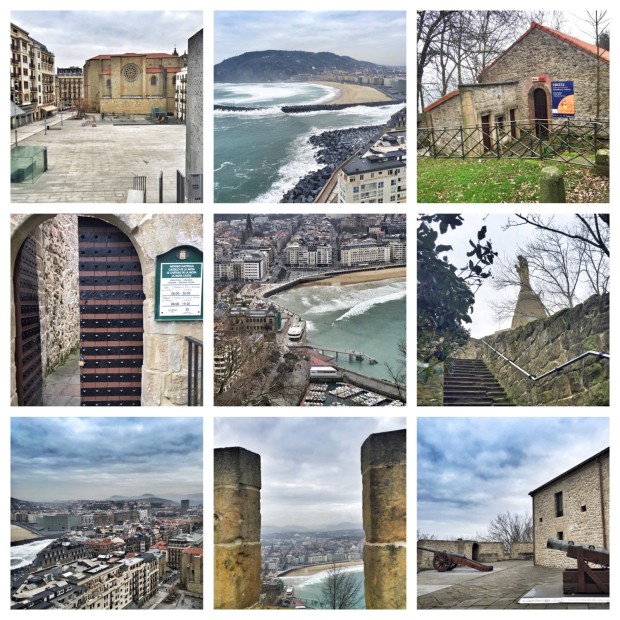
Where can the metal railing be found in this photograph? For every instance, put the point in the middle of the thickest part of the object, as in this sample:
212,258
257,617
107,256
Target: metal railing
559,368
565,140
195,354
180,187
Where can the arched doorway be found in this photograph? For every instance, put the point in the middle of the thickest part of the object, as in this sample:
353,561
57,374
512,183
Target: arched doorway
29,373
475,550
541,115
111,322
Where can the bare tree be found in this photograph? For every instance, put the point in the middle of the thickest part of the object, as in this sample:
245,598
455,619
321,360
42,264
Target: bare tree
508,529
552,19
341,589
423,536
397,371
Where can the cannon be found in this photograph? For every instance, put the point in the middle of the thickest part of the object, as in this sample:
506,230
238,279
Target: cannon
444,561
586,578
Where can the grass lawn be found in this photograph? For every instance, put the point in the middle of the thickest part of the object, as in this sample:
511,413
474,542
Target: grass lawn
501,180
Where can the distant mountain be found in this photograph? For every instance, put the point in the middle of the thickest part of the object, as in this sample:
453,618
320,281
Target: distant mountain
175,498
279,66
288,529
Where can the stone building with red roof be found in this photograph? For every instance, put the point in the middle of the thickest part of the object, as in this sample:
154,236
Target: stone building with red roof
517,86
132,83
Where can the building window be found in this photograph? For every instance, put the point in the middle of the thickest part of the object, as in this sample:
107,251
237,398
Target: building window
380,184
499,120
361,177
108,83
356,189
153,80
560,535
583,508
559,505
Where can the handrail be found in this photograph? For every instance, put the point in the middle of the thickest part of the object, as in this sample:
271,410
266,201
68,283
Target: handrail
194,371
599,354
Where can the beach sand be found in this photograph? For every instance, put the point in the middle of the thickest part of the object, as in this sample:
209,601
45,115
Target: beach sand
354,93
357,277
312,570
19,534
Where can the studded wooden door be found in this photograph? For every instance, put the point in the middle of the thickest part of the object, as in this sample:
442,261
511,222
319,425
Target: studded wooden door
111,327
27,326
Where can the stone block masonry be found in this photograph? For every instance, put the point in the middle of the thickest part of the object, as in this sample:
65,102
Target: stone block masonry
237,552
542,345
384,464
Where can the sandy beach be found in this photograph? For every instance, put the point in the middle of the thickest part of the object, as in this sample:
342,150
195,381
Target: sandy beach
19,534
312,570
354,93
357,277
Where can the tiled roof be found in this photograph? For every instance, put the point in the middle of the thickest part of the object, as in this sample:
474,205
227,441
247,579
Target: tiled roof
586,48
441,100
194,550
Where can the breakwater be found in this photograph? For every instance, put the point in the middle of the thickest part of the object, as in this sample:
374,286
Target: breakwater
334,148
300,109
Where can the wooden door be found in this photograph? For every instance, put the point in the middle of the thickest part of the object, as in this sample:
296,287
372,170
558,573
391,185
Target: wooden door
540,113
27,326
111,323
486,132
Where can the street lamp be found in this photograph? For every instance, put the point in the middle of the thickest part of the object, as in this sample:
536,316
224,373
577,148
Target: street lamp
45,121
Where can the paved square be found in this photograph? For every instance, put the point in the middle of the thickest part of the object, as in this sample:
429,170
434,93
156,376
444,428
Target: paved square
89,163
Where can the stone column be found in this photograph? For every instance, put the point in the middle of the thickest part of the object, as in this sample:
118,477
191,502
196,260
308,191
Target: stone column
384,464
237,483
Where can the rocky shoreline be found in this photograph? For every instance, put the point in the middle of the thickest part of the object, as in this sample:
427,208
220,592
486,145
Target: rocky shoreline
335,147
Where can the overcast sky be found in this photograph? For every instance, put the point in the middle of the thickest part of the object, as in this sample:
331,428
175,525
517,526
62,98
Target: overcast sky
472,469
373,36
310,466
506,243
75,36
94,458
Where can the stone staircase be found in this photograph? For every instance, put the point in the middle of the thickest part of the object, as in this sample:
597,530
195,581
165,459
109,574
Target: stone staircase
469,383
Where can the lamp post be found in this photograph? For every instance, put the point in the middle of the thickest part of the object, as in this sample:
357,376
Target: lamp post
45,121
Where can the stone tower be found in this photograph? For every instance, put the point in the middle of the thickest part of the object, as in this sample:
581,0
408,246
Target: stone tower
529,307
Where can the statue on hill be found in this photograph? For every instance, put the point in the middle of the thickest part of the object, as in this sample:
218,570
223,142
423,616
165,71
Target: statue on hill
529,307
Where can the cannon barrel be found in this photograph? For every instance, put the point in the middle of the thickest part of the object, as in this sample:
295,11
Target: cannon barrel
563,545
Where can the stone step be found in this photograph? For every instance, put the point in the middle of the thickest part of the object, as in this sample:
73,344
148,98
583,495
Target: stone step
469,383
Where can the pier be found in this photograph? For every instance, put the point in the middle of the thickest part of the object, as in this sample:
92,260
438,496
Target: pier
358,356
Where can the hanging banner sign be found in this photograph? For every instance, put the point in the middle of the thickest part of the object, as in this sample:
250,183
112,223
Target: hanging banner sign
178,294
562,99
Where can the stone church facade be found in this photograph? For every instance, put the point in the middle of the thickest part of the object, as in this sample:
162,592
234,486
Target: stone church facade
572,506
516,86
131,83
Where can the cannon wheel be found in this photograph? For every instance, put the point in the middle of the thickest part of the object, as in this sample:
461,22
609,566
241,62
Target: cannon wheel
442,562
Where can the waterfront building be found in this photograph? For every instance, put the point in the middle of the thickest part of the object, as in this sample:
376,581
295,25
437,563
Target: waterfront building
398,249
376,173
300,254
361,253
132,83
69,87
32,78
250,267
59,522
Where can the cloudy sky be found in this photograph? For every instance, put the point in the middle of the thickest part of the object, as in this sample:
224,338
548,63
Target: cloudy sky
94,458
76,36
373,36
310,466
506,243
471,469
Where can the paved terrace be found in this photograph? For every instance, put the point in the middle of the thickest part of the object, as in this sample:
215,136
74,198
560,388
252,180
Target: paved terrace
467,588
97,164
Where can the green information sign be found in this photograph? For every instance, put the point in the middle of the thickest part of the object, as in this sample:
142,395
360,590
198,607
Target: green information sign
178,283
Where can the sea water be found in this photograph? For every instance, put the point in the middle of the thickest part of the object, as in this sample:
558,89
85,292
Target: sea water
368,317
22,555
261,154
309,588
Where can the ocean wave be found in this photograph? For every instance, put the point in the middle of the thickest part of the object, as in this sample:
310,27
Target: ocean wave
274,93
322,575
226,163
364,306
258,113
301,163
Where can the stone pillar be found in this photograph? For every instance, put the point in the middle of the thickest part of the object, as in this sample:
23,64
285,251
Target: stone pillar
237,483
384,465
552,185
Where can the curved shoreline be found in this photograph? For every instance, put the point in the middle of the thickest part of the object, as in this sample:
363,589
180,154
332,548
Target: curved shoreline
352,93
304,571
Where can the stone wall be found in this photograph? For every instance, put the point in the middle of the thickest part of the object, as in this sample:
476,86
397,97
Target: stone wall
164,371
541,54
542,345
384,480
521,551
59,300
237,551
585,519
490,552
